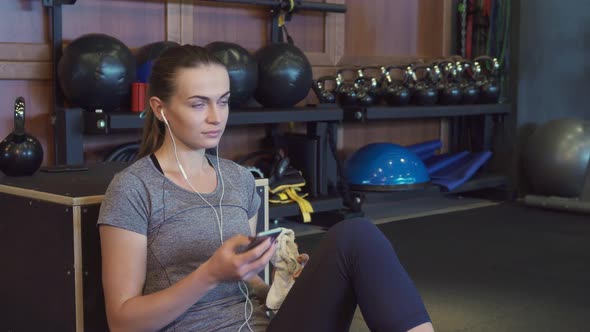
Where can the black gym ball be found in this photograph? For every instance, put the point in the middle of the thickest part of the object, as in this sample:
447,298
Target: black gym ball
242,69
96,72
284,75
146,55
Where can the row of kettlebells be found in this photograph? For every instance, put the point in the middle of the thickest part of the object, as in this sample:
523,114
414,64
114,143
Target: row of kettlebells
448,82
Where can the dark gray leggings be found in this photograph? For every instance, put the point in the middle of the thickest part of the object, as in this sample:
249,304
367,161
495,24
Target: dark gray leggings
354,264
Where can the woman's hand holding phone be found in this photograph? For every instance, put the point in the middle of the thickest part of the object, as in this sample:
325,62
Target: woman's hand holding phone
229,263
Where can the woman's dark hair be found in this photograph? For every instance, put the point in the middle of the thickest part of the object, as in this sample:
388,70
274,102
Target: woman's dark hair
162,85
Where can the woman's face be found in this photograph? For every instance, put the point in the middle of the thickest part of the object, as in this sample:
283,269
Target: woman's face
198,110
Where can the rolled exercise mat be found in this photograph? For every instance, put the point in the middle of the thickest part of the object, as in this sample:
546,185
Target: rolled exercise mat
461,171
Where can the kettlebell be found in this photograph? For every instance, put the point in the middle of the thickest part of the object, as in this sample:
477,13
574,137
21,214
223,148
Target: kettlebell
424,92
489,86
465,72
395,92
345,89
20,153
365,89
368,86
325,95
448,88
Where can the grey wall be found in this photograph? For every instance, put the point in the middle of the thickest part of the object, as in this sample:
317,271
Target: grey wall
553,60
550,71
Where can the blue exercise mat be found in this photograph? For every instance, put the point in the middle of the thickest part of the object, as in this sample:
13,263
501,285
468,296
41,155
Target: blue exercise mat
439,162
425,150
455,174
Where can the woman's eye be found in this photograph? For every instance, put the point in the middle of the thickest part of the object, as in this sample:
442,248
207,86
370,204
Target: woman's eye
223,102
199,105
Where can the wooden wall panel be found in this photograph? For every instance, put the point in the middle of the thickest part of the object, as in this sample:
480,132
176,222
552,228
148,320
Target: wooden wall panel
249,26
307,30
431,42
37,96
245,25
381,27
23,21
385,31
135,23
238,141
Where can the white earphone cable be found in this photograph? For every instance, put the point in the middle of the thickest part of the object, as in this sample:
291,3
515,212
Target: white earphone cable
219,218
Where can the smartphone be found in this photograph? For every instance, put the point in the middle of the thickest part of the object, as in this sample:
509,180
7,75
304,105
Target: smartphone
260,237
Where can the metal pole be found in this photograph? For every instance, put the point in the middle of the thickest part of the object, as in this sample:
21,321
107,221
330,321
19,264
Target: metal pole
60,151
276,33
63,153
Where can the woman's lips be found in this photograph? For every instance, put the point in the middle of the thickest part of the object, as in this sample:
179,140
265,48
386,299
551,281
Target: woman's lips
212,133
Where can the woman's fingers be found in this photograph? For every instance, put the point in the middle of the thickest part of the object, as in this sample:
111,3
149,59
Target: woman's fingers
238,240
261,261
254,253
303,259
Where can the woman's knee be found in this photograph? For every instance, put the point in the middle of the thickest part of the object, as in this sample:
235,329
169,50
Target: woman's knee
354,227
354,231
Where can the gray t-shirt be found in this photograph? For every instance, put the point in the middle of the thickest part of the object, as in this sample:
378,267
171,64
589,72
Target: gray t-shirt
182,233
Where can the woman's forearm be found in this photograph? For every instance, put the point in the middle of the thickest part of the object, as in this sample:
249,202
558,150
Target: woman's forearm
154,311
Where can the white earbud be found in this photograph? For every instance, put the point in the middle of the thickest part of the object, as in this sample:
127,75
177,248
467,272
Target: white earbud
164,117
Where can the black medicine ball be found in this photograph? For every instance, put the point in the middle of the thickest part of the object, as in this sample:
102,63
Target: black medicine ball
96,72
284,75
242,69
146,55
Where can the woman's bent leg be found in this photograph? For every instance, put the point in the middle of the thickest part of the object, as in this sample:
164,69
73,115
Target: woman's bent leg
354,264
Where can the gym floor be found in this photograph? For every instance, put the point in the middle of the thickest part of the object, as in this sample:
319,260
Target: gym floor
501,267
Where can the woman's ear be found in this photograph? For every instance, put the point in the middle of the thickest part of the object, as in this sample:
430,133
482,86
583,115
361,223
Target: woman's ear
157,106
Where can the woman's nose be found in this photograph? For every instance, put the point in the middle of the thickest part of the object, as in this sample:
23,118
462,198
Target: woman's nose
213,114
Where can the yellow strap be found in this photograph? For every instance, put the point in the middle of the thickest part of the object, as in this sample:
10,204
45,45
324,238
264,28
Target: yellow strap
282,14
275,201
284,198
304,205
281,19
307,206
285,187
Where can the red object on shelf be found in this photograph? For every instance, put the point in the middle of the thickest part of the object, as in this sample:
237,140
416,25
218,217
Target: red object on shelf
138,91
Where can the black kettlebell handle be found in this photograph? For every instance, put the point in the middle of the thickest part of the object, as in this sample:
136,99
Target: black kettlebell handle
436,74
19,116
447,66
367,82
365,69
491,65
386,73
422,73
456,59
340,74
410,77
469,70
320,83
